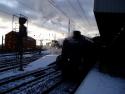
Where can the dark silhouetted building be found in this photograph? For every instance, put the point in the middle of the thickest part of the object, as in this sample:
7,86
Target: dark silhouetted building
11,41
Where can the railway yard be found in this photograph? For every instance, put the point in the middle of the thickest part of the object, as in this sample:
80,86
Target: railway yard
41,80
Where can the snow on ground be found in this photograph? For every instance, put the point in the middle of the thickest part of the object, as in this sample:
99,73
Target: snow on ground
99,83
52,50
14,56
40,63
6,54
28,55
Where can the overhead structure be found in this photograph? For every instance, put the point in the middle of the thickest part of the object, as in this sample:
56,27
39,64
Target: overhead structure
110,17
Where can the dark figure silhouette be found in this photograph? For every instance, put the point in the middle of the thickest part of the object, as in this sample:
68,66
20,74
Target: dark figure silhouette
74,57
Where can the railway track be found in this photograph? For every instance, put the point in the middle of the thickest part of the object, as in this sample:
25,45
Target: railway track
15,82
14,54
7,59
41,81
54,84
66,87
13,63
41,86
11,57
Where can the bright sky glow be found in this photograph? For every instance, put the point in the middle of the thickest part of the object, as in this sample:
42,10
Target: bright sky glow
53,15
34,31
44,34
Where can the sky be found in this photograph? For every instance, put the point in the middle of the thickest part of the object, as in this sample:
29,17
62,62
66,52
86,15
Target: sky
49,16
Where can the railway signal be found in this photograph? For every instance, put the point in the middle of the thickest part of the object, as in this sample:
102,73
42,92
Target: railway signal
21,36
